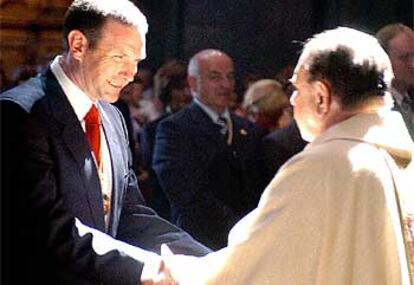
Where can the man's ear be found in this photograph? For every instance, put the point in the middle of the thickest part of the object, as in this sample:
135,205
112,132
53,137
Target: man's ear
192,83
323,97
77,44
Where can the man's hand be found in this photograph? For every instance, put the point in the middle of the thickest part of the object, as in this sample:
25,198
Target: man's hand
163,275
162,278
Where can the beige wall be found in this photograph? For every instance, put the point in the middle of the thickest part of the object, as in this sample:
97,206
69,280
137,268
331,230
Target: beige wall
30,29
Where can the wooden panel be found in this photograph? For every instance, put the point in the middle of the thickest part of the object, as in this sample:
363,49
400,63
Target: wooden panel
30,32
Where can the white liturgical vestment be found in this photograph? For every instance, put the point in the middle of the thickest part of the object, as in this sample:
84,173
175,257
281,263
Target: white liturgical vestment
336,213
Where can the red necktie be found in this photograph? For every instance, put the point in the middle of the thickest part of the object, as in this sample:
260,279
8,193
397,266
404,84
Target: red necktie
93,133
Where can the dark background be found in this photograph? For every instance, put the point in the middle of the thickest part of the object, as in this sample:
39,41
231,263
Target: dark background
261,36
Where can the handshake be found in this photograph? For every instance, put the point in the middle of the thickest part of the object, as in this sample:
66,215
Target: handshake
173,269
167,269
159,271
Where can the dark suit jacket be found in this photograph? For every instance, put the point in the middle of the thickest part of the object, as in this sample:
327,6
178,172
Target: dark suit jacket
58,181
210,185
278,146
124,109
406,115
158,200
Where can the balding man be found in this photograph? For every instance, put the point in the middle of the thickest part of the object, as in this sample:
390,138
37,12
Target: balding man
206,157
339,212
398,42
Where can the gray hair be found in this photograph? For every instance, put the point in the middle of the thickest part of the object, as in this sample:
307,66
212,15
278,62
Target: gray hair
352,61
194,63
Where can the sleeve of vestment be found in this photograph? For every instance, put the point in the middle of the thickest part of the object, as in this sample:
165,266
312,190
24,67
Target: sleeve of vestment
278,242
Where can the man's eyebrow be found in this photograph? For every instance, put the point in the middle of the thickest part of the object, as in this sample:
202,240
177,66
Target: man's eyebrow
216,72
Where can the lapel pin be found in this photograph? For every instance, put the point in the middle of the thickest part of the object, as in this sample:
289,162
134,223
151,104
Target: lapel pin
243,132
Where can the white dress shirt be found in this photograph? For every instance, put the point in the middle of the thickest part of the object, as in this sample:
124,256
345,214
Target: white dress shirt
81,103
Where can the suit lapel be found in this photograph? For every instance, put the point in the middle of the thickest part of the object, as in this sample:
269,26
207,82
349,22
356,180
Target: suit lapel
204,123
74,138
115,152
218,142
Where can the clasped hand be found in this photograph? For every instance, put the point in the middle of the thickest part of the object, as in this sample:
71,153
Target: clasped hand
163,276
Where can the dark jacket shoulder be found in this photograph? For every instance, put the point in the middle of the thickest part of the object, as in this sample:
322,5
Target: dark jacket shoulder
26,94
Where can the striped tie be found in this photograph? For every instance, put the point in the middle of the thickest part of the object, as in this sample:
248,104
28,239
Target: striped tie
222,122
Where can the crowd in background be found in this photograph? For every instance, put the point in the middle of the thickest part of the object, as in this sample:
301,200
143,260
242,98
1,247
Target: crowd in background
93,143
154,95
151,97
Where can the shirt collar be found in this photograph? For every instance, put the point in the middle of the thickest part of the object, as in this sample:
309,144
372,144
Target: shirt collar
78,99
210,112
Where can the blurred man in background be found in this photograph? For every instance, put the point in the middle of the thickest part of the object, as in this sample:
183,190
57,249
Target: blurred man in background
398,42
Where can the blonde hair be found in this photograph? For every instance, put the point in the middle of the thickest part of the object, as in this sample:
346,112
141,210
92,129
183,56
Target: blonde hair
266,97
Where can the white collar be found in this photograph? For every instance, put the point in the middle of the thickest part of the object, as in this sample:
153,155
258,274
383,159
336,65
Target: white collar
78,99
210,112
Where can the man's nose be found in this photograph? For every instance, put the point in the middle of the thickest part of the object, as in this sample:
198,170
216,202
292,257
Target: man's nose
129,70
227,83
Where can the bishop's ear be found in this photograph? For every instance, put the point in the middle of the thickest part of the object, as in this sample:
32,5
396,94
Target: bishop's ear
323,96
77,44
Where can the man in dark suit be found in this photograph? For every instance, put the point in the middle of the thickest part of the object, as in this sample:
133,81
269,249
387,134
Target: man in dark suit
78,214
398,41
278,146
171,88
206,157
